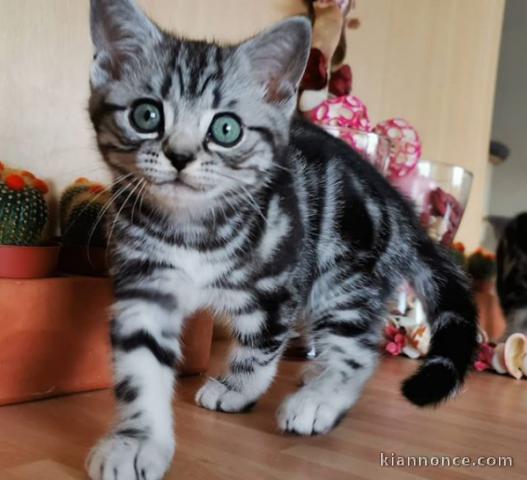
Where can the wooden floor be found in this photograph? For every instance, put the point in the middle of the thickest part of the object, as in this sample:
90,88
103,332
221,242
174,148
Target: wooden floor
49,440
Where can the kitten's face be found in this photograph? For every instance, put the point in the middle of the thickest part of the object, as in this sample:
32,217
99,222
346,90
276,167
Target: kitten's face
192,124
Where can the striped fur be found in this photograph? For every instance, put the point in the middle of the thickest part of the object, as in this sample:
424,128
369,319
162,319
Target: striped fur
289,224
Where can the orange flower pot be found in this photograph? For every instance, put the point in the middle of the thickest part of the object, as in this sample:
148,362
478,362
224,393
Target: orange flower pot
491,318
54,338
28,262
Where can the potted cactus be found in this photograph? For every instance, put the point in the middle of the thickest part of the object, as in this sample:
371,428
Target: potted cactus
23,222
82,224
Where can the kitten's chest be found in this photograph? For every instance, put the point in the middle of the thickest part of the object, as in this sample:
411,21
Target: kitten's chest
199,267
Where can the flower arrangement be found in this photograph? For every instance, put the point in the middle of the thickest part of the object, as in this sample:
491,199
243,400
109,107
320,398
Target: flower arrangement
406,335
413,340
403,336
506,358
325,92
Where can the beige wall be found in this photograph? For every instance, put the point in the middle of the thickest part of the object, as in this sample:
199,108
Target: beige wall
431,61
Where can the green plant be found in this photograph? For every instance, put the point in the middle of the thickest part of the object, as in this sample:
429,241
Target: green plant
23,208
82,214
81,185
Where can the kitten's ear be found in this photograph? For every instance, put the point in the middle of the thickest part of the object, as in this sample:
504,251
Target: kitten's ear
120,33
278,58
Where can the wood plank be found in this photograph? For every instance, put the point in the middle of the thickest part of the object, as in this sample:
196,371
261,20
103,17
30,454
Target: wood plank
50,439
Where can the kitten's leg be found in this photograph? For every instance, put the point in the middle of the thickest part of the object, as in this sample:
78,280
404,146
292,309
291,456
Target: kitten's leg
145,333
346,327
261,336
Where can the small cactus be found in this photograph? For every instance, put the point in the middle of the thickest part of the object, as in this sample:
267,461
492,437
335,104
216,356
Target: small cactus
23,208
81,214
81,185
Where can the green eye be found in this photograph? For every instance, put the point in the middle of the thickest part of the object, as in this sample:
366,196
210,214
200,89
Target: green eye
147,116
226,129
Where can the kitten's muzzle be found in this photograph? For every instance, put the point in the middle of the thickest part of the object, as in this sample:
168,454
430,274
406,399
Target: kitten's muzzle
179,160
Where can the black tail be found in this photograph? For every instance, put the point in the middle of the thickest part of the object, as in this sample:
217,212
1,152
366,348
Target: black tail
443,289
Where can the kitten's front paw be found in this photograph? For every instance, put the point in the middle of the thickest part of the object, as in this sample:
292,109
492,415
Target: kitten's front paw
309,412
127,458
215,395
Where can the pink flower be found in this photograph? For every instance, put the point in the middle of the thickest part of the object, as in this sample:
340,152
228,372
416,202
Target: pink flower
395,338
484,361
393,348
341,81
400,339
391,331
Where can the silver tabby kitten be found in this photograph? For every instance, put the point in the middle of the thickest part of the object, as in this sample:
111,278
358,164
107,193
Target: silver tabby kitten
225,200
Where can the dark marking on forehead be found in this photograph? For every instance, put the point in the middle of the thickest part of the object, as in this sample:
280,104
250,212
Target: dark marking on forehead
206,83
181,82
169,74
219,72
167,85
197,60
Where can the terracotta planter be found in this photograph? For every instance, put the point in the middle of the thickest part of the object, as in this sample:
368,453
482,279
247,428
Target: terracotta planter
28,262
491,316
54,338
197,342
83,260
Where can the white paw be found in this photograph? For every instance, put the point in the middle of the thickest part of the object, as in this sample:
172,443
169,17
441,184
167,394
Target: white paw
214,395
127,458
309,373
309,412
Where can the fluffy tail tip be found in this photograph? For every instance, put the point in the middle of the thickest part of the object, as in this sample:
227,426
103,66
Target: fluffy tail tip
435,381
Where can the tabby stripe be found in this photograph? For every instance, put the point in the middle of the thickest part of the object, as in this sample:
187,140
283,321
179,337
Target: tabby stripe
343,329
133,268
369,343
353,364
265,133
168,80
138,433
205,84
143,339
125,391
105,109
219,74
166,301
181,82
196,68
242,367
